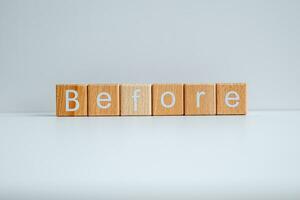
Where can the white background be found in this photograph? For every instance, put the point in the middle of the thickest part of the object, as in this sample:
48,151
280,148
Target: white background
212,157
47,42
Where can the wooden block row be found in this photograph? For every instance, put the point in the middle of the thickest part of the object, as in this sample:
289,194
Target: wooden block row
147,99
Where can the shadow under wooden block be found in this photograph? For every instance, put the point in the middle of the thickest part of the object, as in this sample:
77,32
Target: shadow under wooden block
71,100
200,99
103,100
136,99
167,99
231,98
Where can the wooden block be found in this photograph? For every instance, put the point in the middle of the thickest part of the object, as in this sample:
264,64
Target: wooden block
231,99
71,100
136,99
200,99
103,100
167,99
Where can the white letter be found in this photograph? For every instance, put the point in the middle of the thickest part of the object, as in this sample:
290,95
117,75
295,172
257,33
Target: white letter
68,99
135,96
162,99
236,98
107,99
199,94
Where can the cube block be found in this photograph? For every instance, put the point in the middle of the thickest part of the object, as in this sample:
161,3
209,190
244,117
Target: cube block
136,99
71,100
103,100
167,99
231,99
200,99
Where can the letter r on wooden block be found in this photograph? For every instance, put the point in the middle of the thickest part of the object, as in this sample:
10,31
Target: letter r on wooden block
231,98
71,100
167,99
103,100
200,99
136,99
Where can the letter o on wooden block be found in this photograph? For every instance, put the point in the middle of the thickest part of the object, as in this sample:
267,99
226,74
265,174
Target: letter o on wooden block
231,98
173,99
167,99
71,100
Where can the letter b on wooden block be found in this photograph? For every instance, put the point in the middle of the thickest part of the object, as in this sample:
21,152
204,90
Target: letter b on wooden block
103,100
167,99
136,99
71,100
200,99
231,99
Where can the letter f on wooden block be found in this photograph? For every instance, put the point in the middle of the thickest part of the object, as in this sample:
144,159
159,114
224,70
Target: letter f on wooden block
103,100
136,99
71,100
167,99
231,98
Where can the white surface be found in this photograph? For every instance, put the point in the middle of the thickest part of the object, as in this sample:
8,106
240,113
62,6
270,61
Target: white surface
43,43
253,156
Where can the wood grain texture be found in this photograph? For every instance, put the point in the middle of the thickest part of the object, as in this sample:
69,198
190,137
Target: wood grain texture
136,99
200,99
107,108
166,94
61,106
227,106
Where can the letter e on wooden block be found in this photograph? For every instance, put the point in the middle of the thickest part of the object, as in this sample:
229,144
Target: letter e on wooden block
167,99
71,100
136,99
231,98
200,99
103,100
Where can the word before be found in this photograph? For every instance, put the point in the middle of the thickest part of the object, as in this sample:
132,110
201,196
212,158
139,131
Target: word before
151,99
